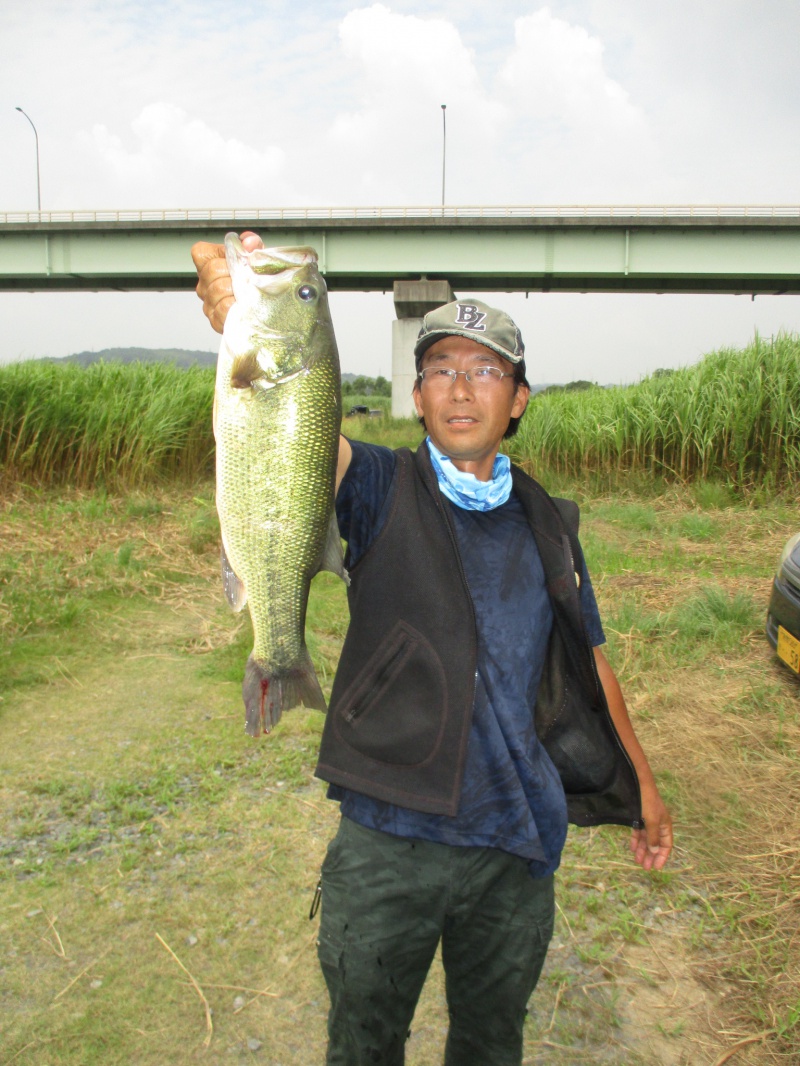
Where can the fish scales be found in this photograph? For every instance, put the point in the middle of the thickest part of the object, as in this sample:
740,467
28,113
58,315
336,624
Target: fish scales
276,421
275,526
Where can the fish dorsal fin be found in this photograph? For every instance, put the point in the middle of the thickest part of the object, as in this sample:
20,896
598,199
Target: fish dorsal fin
235,590
332,557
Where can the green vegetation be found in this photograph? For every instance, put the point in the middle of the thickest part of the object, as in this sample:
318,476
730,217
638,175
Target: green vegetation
374,403
391,432
364,386
733,420
183,357
571,386
107,424
735,416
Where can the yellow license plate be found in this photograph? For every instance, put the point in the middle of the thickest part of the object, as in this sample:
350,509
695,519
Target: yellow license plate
789,649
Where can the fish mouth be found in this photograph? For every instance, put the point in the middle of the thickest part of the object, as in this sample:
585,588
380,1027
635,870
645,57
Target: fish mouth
280,260
274,268
275,277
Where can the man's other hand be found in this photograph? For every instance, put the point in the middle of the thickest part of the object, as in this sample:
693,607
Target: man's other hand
214,285
652,845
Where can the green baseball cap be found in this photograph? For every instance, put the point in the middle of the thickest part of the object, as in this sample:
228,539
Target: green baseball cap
471,318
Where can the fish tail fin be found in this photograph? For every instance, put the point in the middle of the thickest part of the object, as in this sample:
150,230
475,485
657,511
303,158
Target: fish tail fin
332,557
267,696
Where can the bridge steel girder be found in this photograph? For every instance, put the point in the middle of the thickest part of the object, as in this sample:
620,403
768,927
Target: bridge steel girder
529,254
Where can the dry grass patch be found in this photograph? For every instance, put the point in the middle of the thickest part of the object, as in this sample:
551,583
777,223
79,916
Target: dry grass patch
721,718
740,767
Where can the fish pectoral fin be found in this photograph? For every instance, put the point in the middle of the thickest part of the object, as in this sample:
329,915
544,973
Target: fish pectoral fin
245,370
332,556
235,589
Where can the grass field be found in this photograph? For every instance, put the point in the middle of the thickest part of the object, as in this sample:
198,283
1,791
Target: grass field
157,865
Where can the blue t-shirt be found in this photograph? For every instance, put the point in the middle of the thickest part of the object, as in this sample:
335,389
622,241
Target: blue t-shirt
511,796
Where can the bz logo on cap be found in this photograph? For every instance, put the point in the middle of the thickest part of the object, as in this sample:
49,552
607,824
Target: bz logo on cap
470,317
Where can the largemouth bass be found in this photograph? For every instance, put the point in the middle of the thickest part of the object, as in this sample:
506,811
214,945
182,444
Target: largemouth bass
277,412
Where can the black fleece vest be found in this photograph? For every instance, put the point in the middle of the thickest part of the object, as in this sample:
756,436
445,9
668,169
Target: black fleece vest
401,707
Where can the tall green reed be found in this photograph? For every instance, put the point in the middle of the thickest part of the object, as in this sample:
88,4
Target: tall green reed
735,416
107,424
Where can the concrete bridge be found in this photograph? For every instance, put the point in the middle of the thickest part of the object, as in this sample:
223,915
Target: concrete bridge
423,254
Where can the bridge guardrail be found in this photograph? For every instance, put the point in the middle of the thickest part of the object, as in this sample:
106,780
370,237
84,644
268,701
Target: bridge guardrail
312,214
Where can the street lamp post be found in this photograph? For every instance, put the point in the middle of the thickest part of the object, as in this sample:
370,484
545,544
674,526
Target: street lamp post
36,135
444,147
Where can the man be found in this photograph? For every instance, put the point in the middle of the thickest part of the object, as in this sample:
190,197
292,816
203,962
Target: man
471,713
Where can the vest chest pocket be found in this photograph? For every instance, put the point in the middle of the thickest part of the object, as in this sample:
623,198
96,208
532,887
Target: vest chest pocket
394,709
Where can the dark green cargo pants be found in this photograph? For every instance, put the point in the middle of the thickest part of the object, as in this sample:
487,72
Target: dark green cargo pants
386,903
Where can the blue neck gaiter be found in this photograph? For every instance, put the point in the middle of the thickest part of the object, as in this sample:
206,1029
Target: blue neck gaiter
465,490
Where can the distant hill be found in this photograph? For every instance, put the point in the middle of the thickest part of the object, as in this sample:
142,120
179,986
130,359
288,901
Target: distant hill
181,357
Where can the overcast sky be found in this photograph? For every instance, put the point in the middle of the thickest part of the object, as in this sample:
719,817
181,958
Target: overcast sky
270,103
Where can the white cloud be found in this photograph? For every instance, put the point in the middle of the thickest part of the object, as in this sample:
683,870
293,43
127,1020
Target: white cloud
404,68
578,135
556,73
178,156
425,56
551,123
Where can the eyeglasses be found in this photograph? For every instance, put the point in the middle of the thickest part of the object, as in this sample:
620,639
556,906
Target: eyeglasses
442,377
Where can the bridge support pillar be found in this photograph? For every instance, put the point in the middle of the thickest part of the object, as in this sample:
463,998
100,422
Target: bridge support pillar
412,300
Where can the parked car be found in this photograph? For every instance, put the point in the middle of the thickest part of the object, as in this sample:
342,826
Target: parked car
362,409
783,616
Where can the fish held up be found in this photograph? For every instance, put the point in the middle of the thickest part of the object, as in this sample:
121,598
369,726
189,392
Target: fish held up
277,414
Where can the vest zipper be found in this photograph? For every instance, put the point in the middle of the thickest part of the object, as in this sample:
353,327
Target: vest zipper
454,541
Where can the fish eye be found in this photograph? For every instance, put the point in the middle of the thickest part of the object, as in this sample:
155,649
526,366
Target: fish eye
307,292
